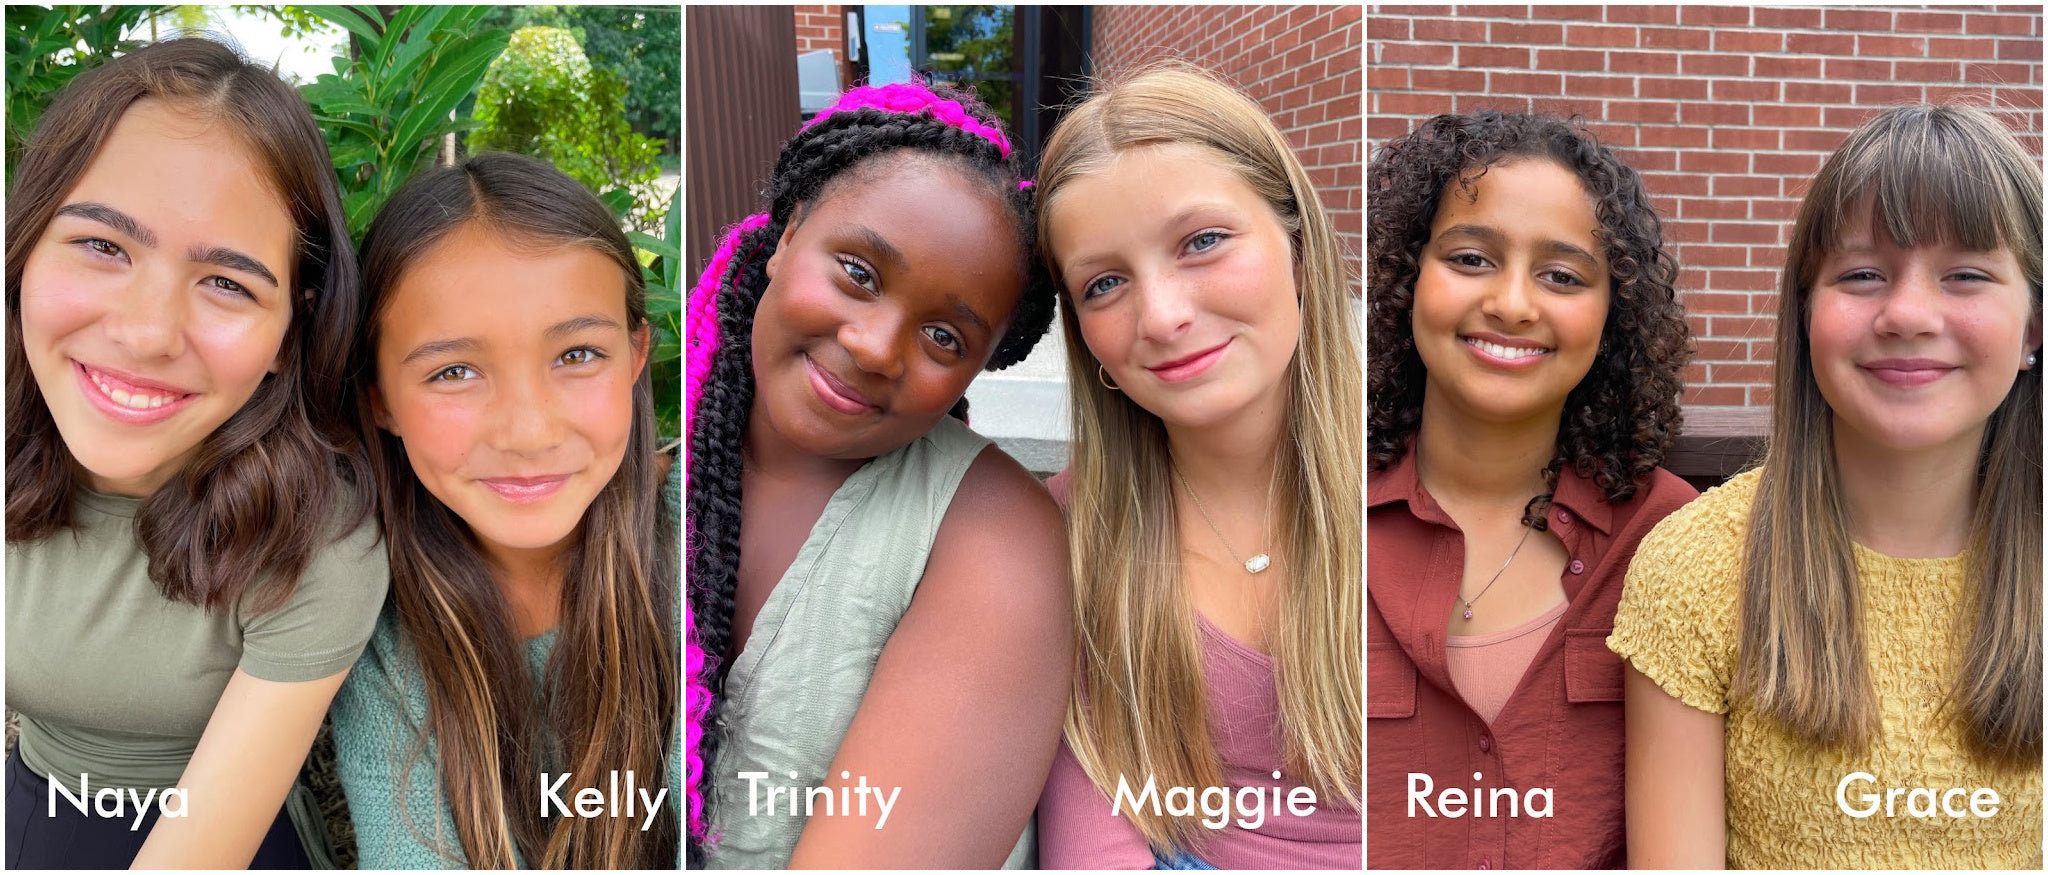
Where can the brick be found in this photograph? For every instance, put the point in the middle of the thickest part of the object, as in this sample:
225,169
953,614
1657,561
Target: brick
1817,92
1695,324
2014,25
1537,84
1787,18
1820,43
1600,36
1786,116
1713,396
1895,46
1672,88
1662,112
1519,33
1642,62
1814,141
1452,30
1787,67
1565,13
1678,233
1965,48
1405,103
1849,117
1497,11
1642,14
1748,41
1927,71
1714,113
1412,11
1493,56
1759,396
1380,77
1565,107
1693,373
1786,164
1673,136
1746,280
1571,60
1713,65
2021,97
1717,350
1868,21
1577,85
1930,22
1743,326
1746,90
1754,233
2019,50
1714,162
1676,38
1776,209
1622,136
1995,73
1477,102
1714,207
1882,94
1675,184
1721,16
1858,68
1715,302
1743,372
1751,139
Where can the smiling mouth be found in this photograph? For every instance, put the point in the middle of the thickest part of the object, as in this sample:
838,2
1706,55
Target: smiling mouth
127,399
1189,367
1503,351
526,490
836,393
1908,373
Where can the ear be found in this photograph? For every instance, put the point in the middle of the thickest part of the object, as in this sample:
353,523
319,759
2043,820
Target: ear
642,336
782,245
382,414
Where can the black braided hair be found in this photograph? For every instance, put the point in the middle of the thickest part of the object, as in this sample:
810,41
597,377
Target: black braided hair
827,154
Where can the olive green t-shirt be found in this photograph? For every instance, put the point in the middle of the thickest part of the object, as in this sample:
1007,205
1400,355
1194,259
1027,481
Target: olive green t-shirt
114,680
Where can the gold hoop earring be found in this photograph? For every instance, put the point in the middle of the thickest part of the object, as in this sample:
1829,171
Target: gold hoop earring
1102,376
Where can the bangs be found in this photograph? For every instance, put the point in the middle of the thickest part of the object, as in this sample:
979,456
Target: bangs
1926,175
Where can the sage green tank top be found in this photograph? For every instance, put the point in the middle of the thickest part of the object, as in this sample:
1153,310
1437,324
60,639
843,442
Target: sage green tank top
794,689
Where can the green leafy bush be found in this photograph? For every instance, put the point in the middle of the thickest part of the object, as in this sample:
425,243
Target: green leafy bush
49,46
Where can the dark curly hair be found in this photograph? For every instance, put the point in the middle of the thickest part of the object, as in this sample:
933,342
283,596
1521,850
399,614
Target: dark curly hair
830,152
1621,418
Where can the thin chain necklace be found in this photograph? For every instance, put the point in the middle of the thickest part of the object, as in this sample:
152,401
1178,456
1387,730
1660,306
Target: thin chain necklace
1255,564
1496,575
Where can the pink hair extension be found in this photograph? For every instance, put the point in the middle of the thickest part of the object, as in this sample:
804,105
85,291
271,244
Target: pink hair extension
1023,184
909,97
701,321
696,704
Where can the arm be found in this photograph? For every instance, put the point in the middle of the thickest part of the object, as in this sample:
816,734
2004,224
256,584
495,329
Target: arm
965,706
246,761
1677,793
394,797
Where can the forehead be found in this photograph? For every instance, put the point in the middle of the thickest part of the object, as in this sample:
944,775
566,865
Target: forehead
1533,196
951,225
475,282
186,174
1155,181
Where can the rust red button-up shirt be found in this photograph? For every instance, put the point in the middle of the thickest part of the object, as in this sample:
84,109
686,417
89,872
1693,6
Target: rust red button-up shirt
1562,727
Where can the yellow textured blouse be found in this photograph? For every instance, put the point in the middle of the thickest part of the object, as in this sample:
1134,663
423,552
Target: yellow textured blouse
1678,626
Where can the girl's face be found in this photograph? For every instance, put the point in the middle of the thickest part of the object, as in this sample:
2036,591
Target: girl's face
1183,282
885,297
1914,348
156,300
1511,293
507,370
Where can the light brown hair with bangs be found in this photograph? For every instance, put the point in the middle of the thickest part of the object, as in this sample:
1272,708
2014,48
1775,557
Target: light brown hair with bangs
1923,175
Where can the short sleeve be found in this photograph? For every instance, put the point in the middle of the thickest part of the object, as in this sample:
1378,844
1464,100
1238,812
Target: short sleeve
1677,619
321,629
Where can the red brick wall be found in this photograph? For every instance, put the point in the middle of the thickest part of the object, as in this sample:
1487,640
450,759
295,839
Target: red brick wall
1299,62
1728,111
823,27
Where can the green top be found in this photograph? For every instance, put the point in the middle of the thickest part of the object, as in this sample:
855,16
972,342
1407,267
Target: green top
794,689
115,681
377,714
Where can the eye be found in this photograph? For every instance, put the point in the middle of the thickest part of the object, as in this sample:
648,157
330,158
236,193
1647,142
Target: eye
453,374
1558,276
227,285
1861,275
858,273
581,355
1468,260
946,340
104,247
1970,276
1100,286
1206,241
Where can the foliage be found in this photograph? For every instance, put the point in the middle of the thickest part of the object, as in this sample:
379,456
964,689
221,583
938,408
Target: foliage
664,273
642,44
542,98
47,47
294,22
386,109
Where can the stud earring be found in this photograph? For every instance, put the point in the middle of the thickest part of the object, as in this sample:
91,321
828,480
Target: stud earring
2032,360
1102,376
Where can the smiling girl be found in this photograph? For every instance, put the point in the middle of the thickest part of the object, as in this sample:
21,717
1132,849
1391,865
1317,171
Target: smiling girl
188,573
1212,502
876,589
532,627
1869,599
1524,376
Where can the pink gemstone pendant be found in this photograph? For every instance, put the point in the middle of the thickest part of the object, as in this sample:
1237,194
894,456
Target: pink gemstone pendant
1468,613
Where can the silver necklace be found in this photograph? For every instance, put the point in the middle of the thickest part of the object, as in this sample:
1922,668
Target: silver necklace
1496,575
1255,564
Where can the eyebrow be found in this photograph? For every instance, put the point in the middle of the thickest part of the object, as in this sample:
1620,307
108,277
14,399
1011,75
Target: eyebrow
219,256
582,323
967,313
1493,237
435,348
882,248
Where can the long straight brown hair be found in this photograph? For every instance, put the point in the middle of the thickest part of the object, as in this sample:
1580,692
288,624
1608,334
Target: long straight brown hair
1926,174
252,503
1139,704
609,698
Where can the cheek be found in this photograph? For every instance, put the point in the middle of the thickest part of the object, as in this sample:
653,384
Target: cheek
440,431
1833,325
1107,332
603,414
238,349
55,303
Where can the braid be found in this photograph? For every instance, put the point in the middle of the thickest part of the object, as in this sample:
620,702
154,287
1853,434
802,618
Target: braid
721,387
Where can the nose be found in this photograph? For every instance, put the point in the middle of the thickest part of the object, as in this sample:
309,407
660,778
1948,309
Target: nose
875,343
1911,307
148,317
1168,308
530,419
1511,299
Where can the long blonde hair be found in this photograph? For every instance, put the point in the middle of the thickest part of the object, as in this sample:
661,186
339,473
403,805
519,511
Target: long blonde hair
1139,706
1926,174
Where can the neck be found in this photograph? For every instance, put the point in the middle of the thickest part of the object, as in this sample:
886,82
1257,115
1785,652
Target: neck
764,451
1464,461
1233,463
531,580
1908,504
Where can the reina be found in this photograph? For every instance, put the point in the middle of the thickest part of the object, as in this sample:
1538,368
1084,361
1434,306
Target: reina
1453,801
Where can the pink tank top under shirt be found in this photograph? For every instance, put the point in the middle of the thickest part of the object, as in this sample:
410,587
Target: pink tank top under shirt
1487,668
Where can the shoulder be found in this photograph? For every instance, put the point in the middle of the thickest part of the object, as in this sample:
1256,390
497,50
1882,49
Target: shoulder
1660,495
1707,534
1002,528
1058,484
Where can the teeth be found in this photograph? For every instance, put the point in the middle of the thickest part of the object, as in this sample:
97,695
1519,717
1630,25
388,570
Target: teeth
129,400
1504,352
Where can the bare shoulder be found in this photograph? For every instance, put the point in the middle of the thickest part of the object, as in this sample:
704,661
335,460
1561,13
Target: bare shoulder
1002,536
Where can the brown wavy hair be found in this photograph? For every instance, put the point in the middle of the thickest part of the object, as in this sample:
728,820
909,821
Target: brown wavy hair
610,696
1621,418
253,501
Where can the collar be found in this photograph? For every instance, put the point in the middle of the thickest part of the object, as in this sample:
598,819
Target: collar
1576,494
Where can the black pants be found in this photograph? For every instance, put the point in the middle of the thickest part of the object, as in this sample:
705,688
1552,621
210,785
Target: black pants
38,838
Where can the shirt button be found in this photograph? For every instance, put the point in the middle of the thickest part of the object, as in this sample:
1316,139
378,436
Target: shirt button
1564,516
1485,744
1578,567
1483,864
